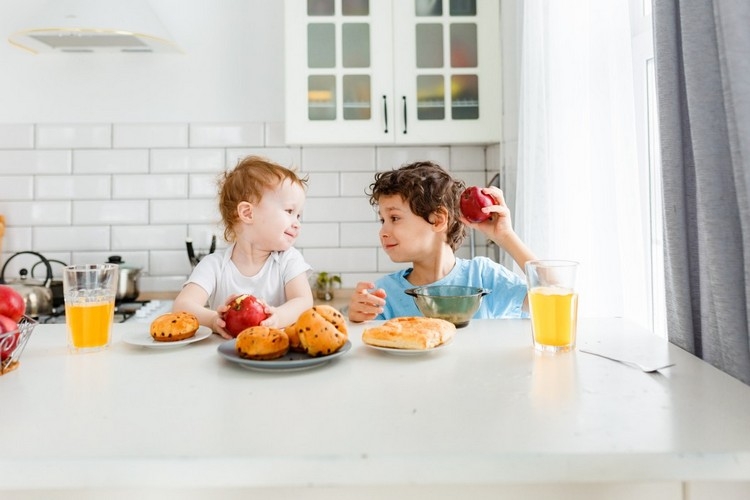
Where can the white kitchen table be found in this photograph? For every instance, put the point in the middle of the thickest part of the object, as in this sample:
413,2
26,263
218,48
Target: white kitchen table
483,416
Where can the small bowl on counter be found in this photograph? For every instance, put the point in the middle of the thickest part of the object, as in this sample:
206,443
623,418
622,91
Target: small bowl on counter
12,344
453,303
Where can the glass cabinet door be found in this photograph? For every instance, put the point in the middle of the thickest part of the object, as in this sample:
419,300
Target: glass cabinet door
447,71
346,70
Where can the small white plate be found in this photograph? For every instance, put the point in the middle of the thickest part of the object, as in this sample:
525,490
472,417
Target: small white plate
292,361
144,339
407,352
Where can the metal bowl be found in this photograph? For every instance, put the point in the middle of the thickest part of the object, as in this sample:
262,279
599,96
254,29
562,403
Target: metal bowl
453,303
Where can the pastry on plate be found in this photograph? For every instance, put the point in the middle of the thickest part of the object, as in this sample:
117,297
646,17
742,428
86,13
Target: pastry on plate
410,332
262,343
174,326
321,330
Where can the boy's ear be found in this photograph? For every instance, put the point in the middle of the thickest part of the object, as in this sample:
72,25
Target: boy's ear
439,220
245,211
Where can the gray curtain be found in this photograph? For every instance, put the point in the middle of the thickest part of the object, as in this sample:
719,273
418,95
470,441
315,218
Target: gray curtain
702,56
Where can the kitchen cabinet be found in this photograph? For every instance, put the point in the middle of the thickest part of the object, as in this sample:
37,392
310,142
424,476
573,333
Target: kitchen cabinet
392,72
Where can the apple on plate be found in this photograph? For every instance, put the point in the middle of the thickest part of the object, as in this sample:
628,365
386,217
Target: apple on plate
244,311
8,343
11,303
473,200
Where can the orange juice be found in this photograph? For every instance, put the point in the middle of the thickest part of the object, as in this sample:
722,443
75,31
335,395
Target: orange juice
554,313
89,323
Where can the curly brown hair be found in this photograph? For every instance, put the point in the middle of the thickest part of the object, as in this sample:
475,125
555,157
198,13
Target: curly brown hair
426,187
246,182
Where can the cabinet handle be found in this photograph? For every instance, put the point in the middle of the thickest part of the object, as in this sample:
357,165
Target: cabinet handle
403,97
385,113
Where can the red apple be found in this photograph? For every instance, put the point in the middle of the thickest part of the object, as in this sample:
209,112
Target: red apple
473,200
8,342
11,303
244,311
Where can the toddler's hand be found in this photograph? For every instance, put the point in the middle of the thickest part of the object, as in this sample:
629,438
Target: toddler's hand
365,304
272,321
218,325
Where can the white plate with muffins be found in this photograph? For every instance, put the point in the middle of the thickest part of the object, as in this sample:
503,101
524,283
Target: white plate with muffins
291,361
144,339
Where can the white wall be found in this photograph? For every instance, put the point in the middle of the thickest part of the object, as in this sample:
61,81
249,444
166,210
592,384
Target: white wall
231,69
118,154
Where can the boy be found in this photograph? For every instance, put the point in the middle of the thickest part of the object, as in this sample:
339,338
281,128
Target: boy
260,204
422,224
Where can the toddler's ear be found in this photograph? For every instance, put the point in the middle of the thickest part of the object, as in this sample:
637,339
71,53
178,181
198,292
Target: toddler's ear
245,211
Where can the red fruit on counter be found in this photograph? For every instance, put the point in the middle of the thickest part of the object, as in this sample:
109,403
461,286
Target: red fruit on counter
11,303
473,200
244,311
8,343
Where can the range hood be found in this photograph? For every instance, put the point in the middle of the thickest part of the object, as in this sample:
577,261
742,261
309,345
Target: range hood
90,26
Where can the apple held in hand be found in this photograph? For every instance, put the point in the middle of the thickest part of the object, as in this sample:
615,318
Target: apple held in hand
8,343
473,200
244,311
11,303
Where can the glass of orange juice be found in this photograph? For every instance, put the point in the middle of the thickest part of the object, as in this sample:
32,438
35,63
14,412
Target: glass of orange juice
553,301
89,291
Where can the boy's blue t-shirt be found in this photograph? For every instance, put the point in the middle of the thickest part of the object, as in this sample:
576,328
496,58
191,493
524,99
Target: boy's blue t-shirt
508,290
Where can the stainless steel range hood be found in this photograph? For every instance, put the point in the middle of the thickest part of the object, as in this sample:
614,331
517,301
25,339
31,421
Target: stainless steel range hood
90,26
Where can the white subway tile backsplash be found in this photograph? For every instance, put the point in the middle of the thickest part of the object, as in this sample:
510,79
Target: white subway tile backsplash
151,237
348,159
287,157
154,186
360,234
16,187
20,136
203,186
318,235
322,184
338,210
183,211
390,158
356,183
466,158
110,212
72,187
35,162
226,135
187,160
110,161
73,136
471,178
36,213
201,236
16,239
166,135
70,238
83,192
169,262
341,259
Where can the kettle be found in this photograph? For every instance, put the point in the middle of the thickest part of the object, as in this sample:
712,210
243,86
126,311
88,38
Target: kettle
36,295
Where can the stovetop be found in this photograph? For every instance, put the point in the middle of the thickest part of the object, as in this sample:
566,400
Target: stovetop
143,311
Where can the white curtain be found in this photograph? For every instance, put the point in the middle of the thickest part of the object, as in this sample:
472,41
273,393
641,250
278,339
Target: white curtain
579,185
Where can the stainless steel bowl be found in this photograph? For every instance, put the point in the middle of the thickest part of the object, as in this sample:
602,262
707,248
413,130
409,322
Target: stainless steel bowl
453,303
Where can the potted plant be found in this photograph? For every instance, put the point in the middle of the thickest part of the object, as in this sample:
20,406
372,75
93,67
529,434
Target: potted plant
323,285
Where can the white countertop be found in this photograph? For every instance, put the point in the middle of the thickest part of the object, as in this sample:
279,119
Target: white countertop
485,409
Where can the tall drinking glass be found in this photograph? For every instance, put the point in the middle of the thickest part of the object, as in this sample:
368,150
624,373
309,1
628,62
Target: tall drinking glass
89,292
553,301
